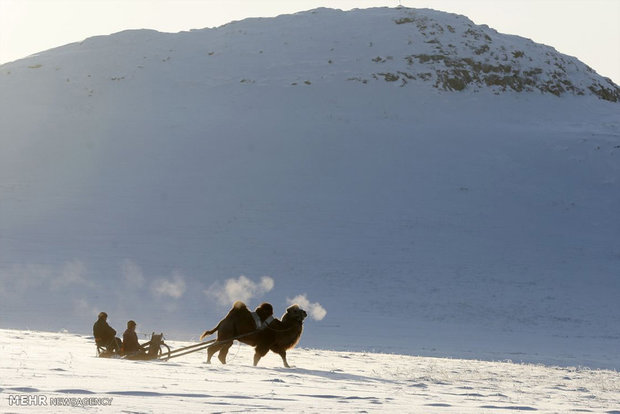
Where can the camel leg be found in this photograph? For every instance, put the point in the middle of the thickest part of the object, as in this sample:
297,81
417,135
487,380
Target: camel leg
224,351
259,352
211,351
283,355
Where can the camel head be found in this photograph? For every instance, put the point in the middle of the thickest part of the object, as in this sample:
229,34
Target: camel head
295,313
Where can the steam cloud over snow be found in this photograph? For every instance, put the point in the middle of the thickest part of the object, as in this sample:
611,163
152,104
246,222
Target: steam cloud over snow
242,289
20,278
174,287
82,307
72,273
132,273
315,310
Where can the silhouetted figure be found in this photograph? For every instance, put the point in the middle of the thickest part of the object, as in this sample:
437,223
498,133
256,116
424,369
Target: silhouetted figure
130,339
105,335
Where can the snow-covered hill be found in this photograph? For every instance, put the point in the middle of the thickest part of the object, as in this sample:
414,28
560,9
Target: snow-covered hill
404,46
58,372
412,179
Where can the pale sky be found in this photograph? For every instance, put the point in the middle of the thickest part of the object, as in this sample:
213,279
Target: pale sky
587,29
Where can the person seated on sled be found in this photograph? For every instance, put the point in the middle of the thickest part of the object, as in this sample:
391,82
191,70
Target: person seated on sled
130,339
105,335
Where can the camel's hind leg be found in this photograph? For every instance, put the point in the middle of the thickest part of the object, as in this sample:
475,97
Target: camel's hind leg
224,351
212,350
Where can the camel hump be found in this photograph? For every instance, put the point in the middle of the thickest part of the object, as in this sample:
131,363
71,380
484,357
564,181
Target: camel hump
239,305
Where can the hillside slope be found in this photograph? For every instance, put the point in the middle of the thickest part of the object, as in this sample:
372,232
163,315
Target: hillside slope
404,46
319,381
432,199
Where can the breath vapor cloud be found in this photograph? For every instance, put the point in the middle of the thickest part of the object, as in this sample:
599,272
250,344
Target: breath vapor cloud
315,310
242,289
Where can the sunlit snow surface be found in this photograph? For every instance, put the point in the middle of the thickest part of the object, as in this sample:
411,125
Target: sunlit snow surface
63,365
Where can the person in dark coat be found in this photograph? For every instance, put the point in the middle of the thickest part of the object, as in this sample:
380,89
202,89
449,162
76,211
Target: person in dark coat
105,335
130,339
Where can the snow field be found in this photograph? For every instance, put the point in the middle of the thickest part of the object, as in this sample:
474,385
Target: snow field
64,365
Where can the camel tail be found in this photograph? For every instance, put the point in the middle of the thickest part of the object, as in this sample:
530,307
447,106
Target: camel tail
211,332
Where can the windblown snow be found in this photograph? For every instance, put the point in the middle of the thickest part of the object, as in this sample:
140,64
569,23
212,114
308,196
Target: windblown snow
420,184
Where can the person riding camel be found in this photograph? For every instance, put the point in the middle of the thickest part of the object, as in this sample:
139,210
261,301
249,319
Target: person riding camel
105,335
